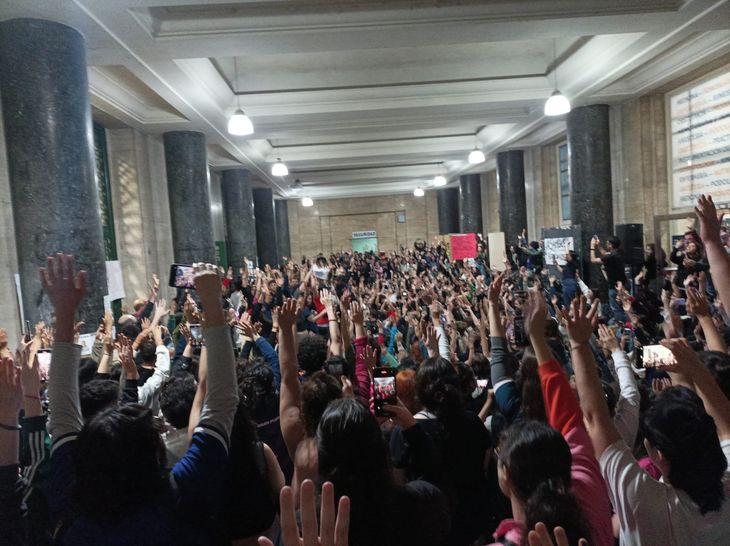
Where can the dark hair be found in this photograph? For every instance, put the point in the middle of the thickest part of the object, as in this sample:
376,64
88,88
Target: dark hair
719,365
87,370
312,352
609,393
532,404
407,363
438,389
317,392
354,457
131,329
120,459
480,365
615,242
147,351
467,380
176,399
678,426
96,396
256,382
538,461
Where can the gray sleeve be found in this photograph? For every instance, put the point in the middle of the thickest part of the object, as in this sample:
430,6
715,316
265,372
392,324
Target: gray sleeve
500,365
63,393
221,398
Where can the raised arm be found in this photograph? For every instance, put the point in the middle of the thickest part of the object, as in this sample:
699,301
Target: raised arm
290,399
146,393
596,417
328,300
719,260
697,306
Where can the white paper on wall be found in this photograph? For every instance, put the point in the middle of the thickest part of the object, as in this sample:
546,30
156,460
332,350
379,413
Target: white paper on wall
555,249
497,250
114,280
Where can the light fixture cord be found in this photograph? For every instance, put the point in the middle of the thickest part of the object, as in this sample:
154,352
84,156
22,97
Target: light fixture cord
235,83
555,65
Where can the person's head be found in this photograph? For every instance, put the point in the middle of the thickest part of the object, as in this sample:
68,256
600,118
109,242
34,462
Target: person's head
534,469
534,245
148,351
407,363
405,386
719,365
467,379
317,392
97,395
528,382
613,243
120,460
312,352
87,370
176,399
336,366
138,304
681,439
650,249
256,382
438,389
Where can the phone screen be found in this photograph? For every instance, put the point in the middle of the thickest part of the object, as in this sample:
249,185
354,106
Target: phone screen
196,331
44,363
383,390
181,276
482,383
657,356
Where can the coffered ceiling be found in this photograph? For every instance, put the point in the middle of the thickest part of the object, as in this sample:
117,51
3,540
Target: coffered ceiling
374,97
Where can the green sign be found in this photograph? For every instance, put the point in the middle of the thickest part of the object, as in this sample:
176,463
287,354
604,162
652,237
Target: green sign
369,244
221,254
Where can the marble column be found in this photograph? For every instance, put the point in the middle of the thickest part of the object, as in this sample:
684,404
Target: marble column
512,199
470,203
590,178
238,211
448,210
187,184
282,228
50,156
266,240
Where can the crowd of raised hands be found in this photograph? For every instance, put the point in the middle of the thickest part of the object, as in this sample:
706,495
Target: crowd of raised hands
245,411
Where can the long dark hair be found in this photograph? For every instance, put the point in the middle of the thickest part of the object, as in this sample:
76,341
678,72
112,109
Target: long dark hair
438,390
678,426
532,405
538,462
120,459
354,457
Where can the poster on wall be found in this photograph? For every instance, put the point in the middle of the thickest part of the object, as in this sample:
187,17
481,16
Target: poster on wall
700,128
497,250
555,249
463,246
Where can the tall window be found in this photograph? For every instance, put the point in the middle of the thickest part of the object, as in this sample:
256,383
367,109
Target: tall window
564,179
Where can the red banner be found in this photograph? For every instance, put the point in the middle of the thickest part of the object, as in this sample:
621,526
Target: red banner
463,246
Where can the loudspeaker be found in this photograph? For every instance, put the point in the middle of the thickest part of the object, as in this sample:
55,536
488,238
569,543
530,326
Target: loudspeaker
632,245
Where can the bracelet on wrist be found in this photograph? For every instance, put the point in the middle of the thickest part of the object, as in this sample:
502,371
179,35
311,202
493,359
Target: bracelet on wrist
3,426
576,346
32,397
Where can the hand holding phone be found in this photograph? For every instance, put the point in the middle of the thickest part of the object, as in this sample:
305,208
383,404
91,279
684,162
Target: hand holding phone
384,391
182,276
657,356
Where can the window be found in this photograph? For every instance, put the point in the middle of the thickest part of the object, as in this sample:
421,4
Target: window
564,179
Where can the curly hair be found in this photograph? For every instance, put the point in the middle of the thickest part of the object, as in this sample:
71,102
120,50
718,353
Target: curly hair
312,352
317,392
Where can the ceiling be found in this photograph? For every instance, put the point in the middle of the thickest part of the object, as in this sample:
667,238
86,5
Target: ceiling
364,97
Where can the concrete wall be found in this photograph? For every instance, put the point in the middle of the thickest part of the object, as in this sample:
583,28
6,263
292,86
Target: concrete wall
9,308
328,225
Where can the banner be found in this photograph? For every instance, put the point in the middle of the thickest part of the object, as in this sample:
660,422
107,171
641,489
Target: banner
497,250
555,249
463,246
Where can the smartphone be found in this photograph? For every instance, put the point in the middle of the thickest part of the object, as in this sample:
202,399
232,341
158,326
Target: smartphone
197,332
657,356
482,383
335,369
28,334
384,389
44,362
181,276
519,329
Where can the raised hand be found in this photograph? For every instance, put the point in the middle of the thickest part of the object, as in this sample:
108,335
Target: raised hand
126,357
495,289
30,373
580,321
370,357
431,340
288,314
161,311
697,303
541,537
332,531
11,392
356,313
535,313
400,415
245,326
606,338
710,223
65,288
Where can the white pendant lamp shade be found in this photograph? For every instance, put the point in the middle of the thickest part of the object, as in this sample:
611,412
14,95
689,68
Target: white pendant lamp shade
557,104
279,169
476,156
439,181
239,124
307,202
418,192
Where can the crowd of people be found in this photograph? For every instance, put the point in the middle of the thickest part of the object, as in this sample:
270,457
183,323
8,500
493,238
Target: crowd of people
245,411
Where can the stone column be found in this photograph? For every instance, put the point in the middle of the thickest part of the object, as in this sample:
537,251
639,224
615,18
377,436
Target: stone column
512,200
238,210
448,210
282,228
470,203
266,240
590,179
187,185
50,155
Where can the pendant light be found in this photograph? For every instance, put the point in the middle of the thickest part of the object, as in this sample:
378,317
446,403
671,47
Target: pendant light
476,156
307,202
239,123
440,180
418,192
557,104
279,168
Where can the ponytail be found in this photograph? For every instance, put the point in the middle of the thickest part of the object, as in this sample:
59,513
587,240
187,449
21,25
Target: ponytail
437,388
552,503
